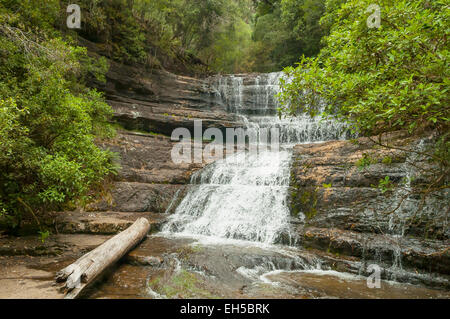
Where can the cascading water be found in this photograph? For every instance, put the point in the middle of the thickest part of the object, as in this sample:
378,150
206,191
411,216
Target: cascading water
245,197
241,200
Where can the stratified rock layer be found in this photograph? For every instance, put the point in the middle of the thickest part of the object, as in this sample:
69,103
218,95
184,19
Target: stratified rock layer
337,206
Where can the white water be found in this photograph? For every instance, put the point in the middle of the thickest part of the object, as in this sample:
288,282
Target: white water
246,198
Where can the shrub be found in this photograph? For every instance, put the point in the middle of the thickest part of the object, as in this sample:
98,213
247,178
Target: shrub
49,120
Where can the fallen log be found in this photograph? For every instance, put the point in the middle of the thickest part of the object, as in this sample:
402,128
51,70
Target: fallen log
86,269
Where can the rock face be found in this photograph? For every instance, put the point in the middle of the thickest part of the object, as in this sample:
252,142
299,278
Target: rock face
146,158
148,179
149,105
154,102
104,223
158,101
338,207
250,94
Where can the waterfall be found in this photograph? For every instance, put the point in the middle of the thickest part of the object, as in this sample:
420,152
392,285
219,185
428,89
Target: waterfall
246,198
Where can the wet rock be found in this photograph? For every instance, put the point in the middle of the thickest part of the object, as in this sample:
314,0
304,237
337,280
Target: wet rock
158,101
103,222
135,115
146,158
137,197
55,245
329,188
136,259
430,255
32,249
123,282
337,207
333,285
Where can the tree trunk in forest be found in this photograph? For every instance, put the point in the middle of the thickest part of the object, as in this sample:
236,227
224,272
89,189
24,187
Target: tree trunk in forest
85,270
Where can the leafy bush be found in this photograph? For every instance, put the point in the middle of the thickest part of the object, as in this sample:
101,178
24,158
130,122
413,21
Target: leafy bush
378,80
49,120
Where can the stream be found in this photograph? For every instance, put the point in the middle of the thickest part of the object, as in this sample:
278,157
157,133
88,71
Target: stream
231,236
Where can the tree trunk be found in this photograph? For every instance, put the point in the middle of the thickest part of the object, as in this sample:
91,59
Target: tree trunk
86,269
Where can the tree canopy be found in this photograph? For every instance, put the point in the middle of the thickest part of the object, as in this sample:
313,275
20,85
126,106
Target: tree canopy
378,80
227,36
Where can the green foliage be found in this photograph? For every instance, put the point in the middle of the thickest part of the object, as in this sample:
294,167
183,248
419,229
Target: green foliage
231,51
365,161
385,185
442,148
286,29
308,202
378,80
228,36
44,235
387,160
112,24
48,119
167,32
183,284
